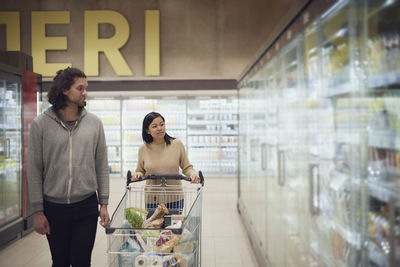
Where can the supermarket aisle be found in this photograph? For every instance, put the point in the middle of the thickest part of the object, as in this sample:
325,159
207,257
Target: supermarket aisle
225,241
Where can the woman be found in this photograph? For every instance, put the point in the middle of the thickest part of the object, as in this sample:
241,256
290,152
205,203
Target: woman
162,154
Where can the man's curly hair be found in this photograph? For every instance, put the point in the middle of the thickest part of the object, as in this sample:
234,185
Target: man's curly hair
64,79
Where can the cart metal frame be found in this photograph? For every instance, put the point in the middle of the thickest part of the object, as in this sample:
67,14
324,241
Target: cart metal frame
185,199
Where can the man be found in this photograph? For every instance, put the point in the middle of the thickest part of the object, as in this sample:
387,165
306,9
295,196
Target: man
68,171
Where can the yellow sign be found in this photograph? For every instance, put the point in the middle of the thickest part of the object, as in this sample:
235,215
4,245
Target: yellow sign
110,46
152,43
93,44
11,20
41,43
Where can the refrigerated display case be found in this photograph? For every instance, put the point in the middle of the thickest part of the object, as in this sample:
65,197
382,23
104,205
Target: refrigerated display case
109,111
212,130
18,99
332,193
381,56
10,149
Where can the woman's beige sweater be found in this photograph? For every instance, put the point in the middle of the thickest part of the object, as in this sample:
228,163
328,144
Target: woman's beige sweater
164,159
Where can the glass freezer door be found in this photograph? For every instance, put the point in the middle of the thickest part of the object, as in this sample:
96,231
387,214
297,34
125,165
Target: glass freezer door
309,237
275,164
10,148
382,88
338,181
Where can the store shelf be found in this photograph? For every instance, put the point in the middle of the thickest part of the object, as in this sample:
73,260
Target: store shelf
384,191
205,111
347,234
384,79
134,129
348,138
212,133
129,160
383,139
212,122
132,143
213,145
111,127
113,143
376,255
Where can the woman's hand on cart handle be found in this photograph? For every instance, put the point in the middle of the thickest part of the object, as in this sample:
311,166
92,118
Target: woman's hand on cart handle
136,176
195,179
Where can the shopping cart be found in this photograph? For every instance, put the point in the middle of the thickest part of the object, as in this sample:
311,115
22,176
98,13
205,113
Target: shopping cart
177,242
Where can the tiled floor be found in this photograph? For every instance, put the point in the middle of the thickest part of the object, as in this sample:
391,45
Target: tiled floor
224,239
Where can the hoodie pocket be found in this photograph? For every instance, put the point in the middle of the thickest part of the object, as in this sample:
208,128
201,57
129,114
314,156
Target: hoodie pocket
83,181
56,182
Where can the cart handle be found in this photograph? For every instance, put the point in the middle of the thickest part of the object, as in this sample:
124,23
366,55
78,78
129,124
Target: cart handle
163,178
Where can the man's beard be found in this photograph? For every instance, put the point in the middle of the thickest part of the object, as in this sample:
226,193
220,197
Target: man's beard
81,104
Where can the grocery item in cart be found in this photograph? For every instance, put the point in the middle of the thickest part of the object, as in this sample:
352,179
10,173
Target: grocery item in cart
157,219
147,260
149,233
135,216
185,247
174,260
166,242
129,250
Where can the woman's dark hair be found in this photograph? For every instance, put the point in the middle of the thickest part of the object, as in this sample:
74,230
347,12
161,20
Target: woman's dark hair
148,119
64,79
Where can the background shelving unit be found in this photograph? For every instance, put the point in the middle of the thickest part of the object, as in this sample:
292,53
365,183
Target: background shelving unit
208,127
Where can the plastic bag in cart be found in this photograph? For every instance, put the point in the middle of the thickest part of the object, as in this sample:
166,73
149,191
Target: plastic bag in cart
129,250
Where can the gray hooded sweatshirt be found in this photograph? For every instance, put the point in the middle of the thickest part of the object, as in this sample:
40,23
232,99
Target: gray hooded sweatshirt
66,166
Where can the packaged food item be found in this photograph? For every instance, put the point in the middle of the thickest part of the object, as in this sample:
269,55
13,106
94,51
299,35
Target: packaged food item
166,242
174,260
177,217
175,225
185,247
157,219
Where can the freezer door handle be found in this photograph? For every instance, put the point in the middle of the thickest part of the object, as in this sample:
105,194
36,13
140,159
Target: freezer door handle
281,168
314,189
7,148
264,156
